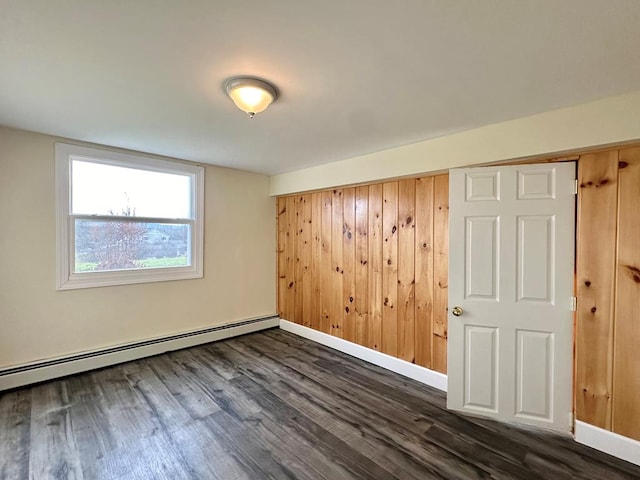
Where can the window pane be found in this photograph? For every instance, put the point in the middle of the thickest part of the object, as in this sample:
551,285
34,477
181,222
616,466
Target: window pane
102,245
98,189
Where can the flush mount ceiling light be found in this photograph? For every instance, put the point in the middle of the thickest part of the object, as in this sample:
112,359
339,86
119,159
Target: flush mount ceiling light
250,94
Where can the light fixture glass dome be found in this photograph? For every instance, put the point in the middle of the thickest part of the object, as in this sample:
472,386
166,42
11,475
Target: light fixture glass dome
250,94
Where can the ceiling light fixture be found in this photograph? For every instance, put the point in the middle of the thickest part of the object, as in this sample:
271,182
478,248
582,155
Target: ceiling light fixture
250,94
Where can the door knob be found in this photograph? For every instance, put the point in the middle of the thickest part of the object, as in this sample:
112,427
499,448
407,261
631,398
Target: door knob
457,311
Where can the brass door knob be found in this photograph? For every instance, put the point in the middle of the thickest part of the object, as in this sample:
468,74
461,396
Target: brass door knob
457,311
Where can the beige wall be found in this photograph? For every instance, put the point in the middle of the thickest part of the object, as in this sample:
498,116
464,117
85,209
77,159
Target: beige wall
613,120
38,322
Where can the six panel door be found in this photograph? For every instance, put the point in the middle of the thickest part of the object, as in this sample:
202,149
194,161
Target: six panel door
511,268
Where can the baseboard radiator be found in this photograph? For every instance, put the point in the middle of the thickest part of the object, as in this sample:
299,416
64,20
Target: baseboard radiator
40,371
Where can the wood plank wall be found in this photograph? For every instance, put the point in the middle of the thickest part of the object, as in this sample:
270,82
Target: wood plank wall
626,359
608,291
598,195
370,264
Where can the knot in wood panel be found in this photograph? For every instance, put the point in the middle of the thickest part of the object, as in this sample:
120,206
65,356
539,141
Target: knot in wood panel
634,273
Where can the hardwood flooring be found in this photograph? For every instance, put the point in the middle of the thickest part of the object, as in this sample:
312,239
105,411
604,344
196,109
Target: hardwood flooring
268,405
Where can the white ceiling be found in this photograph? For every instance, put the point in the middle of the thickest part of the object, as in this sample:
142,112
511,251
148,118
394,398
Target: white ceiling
355,76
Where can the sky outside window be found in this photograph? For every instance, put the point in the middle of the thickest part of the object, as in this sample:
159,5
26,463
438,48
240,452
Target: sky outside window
99,189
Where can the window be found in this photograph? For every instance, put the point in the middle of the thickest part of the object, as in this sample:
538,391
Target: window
125,219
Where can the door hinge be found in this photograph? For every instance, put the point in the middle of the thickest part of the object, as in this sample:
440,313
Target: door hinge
574,304
571,420
575,186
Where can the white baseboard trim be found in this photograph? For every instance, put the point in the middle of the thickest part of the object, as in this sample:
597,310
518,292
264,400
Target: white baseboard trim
608,442
18,376
402,367
594,437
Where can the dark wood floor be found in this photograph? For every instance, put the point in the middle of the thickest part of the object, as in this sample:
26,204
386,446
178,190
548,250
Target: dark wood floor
268,405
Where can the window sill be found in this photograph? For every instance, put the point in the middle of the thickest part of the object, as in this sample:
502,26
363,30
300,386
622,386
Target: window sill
127,277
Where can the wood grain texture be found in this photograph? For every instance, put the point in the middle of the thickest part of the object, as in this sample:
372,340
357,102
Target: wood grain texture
374,331
299,259
15,429
595,278
361,304
440,272
424,271
53,451
290,259
305,260
269,405
281,253
326,272
337,267
626,387
390,268
348,264
406,269
599,270
362,261
316,263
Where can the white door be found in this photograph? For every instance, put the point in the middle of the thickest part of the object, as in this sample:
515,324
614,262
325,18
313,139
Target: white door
511,277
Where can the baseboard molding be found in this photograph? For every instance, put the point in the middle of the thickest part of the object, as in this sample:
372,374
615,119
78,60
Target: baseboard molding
17,376
402,367
608,442
35,372
594,437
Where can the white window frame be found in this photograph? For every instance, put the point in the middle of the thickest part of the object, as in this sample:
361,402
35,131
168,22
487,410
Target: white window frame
67,279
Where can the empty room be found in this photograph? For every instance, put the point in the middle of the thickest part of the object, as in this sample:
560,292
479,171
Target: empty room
350,239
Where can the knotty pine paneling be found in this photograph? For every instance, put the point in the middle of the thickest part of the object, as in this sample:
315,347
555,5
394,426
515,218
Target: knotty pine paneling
281,253
440,272
424,271
305,259
359,263
390,268
374,330
361,266
299,257
406,270
626,358
337,262
348,264
608,291
595,279
290,260
396,271
326,272
316,254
